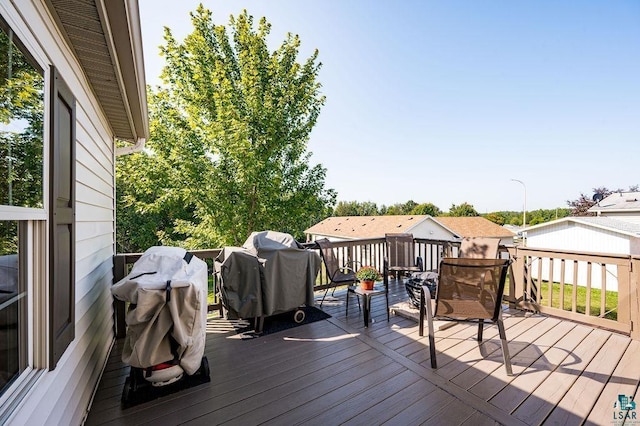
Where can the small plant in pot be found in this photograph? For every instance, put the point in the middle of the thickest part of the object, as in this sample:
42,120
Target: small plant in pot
367,275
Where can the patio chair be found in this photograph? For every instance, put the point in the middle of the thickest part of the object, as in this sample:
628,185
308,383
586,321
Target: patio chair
479,248
460,298
400,255
338,274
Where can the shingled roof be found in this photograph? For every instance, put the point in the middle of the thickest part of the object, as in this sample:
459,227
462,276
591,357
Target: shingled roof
626,202
365,226
355,227
475,226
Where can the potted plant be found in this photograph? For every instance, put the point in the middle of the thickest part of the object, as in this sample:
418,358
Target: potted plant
367,275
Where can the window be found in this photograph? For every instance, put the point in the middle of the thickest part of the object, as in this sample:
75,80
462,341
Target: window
13,342
21,196
21,124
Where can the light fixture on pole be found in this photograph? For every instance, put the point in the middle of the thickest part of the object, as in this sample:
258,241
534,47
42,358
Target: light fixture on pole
524,210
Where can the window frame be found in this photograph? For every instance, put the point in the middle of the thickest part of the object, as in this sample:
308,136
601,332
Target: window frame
33,224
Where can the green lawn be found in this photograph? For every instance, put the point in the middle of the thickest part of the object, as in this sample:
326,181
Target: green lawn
611,299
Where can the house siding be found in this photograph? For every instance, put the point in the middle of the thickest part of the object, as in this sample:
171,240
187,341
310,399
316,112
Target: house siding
578,237
432,231
633,217
572,236
62,396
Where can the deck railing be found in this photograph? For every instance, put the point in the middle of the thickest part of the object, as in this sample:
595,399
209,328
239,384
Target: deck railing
595,288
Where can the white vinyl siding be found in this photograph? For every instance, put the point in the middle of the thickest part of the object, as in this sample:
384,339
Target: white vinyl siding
430,230
633,217
572,236
62,396
579,237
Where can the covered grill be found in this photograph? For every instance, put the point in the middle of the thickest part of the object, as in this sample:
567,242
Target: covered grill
270,274
166,320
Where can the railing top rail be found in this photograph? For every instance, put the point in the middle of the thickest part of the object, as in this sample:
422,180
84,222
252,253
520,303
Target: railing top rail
572,254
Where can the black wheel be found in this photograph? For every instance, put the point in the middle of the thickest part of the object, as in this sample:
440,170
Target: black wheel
299,316
134,381
127,391
204,367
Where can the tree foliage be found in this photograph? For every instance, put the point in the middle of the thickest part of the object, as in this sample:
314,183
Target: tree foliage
464,209
355,208
582,204
398,208
426,209
229,131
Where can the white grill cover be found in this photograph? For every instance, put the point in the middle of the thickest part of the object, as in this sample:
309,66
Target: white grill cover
154,320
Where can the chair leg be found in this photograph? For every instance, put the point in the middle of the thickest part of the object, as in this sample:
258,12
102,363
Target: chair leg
480,328
425,308
387,297
421,320
432,339
324,295
505,347
346,311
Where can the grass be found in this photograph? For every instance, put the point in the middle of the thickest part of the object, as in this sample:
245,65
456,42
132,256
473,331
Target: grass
611,299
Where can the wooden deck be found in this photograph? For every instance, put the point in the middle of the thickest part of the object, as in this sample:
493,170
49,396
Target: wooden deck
338,372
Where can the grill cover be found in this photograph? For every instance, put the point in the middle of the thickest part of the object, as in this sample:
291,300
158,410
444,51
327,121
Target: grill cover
156,319
268,275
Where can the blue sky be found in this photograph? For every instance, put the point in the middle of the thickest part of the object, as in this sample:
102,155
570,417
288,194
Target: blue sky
446,101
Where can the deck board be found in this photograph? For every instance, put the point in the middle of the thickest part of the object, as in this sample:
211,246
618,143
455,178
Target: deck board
339,372
546,397
586,389
624,381
524,384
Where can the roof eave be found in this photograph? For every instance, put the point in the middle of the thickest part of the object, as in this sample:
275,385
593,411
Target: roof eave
119,30
125,35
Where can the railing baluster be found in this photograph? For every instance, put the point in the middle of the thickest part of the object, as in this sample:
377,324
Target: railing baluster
574,292
587,308
603,293
550,286
561,296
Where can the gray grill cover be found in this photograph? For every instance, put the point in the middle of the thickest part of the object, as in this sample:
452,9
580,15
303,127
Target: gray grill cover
268,275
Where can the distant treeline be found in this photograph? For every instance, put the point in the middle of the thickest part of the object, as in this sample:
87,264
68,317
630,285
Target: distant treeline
369,208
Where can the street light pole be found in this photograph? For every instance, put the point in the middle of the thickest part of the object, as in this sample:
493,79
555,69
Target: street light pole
524,210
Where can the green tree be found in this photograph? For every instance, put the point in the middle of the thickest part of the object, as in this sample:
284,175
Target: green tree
229,133
464,209
147,206
399,208
426,208
355,208
496,217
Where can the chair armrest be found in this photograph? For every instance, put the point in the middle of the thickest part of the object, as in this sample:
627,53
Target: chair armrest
355,264
345,268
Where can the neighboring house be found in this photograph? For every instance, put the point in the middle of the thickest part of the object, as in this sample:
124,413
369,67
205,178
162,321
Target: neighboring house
73,73
476,226
587,234
340,228
619,205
